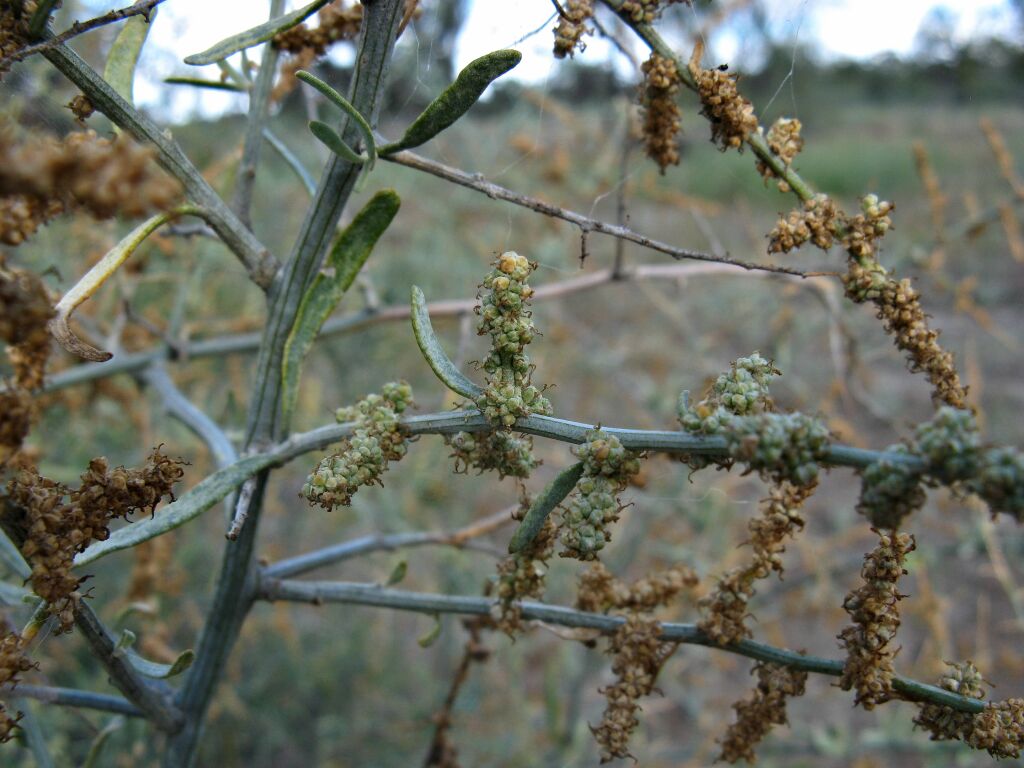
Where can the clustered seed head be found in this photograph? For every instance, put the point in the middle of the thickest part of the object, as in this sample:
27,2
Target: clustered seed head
741,391
861,231
731,116
779,446
510,455
661,112
14,19
594,505
25,309
999,728
1000,481
13,662
377,440
890,491
60,522
505,316
600,592
521,576
42,176
336,22
785,142
726,608
950,443
764,708
869,641
646,11
572,25
818,222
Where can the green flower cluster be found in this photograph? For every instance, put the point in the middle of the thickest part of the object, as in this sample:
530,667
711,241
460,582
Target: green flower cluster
741,391
607,467
505,317
485,451
779,446
950,447
377,440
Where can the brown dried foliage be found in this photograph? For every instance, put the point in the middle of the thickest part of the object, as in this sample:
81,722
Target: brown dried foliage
764,708
57,523
14,19
785,141
572,25
731,116
869,641
599,591
335,22
12,663
817,222
661,113
42,176
726,608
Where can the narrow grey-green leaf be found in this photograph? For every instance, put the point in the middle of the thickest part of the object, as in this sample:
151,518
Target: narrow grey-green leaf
543,505
397,573
342,103
428,638
159,671
124,642
456,99
350,251
330,139
12,558
255,36
124,55
438,361
189,505
92,759
198,82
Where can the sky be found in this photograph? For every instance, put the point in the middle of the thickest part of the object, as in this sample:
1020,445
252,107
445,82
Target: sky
858,29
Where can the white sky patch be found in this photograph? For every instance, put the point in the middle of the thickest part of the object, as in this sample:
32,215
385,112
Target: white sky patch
835,28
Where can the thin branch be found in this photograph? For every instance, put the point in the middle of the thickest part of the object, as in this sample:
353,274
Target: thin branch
72,697
152,699
319,592
141,8
585,223
461,538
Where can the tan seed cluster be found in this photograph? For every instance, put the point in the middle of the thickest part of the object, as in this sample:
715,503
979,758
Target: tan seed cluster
785,142
58,522
572,25
646,11
661,113
869,641
726,608
335,22
764,708
12,663
42,176
817,222
600,592
14,19
731,116
521,576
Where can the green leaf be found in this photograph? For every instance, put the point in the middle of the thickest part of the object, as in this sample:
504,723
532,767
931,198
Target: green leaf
254,36
340,101
397,573
438,361
124,55
92,759
330,139
456,99
189,505
198,82
543,505
430,636
12,558
159,671
350,251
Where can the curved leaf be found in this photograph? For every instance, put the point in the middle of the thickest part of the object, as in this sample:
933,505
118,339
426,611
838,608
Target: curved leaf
159,671
543,505
255,36
189,505
198,82
350,251
124,55
439,363
330,139
342,103
456,99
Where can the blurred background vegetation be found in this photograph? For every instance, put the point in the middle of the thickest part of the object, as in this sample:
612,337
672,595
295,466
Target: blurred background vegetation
348,686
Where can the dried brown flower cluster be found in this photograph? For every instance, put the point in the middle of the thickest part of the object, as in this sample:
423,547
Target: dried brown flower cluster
817,222
638,649
41,177
572,25
59,522
765,707
869,641
999,729
646,11
661,113
522,575
731,116
785,141
12,663
725,609
14,19
938,201
335,22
